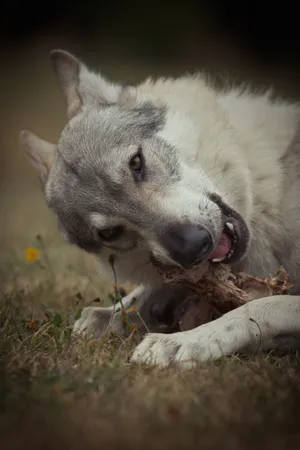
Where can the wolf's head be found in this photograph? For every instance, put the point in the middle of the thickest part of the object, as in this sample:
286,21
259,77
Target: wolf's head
155,167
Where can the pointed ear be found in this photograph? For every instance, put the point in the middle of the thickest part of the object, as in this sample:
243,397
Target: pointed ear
40,153
81,86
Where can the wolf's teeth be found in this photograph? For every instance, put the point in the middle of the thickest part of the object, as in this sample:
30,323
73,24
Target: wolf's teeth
219,259
230,226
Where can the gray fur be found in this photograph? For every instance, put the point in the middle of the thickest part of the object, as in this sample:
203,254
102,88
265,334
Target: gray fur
86,152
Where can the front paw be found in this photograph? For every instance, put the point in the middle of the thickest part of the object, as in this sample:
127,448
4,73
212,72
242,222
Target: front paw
181,349
94,322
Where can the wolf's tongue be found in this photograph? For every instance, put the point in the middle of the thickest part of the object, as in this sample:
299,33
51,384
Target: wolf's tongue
224,247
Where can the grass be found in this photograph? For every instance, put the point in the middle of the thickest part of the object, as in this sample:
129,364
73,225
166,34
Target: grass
61,392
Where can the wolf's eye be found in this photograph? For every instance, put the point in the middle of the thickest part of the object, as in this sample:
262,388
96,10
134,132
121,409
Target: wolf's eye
109,234
136,165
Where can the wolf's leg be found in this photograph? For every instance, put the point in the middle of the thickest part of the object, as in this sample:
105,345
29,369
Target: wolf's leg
153,312
95,320
248,328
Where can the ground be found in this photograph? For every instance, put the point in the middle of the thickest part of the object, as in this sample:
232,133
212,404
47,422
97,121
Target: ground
57,392
73,392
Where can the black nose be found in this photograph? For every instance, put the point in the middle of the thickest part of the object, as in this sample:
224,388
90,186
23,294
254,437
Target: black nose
187,244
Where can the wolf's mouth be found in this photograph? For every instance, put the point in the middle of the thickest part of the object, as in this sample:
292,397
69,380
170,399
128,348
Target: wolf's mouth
235,237
226,246
230,243
229,249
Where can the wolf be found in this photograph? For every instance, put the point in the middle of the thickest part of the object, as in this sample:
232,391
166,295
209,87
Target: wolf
174,172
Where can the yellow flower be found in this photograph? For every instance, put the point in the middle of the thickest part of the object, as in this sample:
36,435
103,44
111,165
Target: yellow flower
31,324
31,254
132,309
133,326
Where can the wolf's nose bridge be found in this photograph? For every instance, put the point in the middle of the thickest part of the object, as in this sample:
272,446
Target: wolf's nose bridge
187,244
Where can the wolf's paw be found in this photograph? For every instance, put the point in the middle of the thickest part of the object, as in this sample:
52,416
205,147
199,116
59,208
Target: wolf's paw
183,349
93,322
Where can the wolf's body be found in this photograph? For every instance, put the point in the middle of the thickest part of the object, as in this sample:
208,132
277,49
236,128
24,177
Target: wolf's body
208,154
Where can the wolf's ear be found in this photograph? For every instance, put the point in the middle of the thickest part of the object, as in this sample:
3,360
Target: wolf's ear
40,153
80,86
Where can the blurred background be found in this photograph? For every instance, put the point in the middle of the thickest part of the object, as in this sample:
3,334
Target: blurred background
248,41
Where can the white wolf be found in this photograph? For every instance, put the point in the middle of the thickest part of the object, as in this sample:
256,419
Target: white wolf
176,171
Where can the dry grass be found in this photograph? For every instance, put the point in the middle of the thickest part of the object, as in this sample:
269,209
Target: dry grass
62,392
